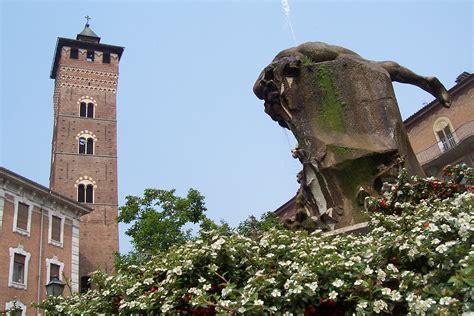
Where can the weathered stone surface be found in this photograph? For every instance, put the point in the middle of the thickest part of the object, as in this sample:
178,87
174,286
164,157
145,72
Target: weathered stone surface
344,115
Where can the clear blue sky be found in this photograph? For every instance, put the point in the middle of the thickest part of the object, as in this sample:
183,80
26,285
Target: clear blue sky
187,116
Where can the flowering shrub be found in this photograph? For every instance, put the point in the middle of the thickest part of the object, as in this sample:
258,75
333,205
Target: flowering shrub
418,258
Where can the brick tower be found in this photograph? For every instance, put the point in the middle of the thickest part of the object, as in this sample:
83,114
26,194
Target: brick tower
84,146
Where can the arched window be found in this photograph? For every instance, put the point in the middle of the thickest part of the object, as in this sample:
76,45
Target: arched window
86,142
444,133
85,190
87,106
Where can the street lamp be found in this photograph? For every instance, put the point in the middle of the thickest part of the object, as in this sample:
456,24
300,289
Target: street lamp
55,287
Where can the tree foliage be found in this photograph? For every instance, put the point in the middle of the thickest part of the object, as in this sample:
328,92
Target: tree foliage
159,218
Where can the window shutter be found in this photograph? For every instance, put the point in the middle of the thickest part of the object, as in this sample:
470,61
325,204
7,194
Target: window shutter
22,216
56,228
53,271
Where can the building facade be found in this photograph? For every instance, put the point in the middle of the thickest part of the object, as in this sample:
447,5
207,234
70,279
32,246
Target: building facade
84,146
441,136
39,239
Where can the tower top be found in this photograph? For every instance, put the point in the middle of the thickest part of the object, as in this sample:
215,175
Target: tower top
86,40
87,33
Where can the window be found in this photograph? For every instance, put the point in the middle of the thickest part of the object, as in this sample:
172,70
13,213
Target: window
106,58
22,218
15,308
85,189
74,53
86,109
86,145
19,268
85,193
85,284
19,260
90,56
54,268
444,134
56,228
53,271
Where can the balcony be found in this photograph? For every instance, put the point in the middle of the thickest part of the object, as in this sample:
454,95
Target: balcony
459,135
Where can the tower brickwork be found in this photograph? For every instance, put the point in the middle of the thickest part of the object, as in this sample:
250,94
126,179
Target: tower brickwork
84,146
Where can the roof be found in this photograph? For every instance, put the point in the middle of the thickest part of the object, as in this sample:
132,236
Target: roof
87,31
462,81
44,191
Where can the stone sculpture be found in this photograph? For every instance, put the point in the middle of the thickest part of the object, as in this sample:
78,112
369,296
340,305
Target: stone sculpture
343,112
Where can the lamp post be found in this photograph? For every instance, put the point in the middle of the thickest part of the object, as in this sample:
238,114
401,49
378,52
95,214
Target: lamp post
55,287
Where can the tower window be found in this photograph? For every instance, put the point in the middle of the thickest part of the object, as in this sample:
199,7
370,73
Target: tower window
90,56
106,58
53,271
22,216
85,193
86,109
74,53
86,145
56,228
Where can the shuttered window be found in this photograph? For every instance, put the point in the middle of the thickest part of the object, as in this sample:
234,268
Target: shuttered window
19,268
53,271
22,216
56,228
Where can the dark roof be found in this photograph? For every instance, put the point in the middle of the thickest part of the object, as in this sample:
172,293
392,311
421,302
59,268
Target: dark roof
462,81
25,182
87,31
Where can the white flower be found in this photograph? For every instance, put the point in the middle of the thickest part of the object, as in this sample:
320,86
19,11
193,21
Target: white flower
368,271
358,282
349,263
201,280
258,303
165,307
177,270
446,300
362,305
226,291
148,281
395,296
206,287
313,286
381,275
386,291
241,310
391,267
379,306
441,248
276,293
333,295
435,241
338,283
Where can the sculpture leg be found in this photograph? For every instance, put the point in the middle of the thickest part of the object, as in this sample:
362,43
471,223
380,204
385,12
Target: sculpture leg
430,84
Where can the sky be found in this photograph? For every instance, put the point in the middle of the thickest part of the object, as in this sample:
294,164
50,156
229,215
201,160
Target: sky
187,116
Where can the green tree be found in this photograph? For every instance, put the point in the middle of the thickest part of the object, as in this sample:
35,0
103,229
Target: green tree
253,227
159,219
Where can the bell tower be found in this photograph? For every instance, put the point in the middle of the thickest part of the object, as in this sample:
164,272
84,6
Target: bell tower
84,146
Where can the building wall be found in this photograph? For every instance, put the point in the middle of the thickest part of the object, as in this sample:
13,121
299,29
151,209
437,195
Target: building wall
422,135
77,80
37,244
